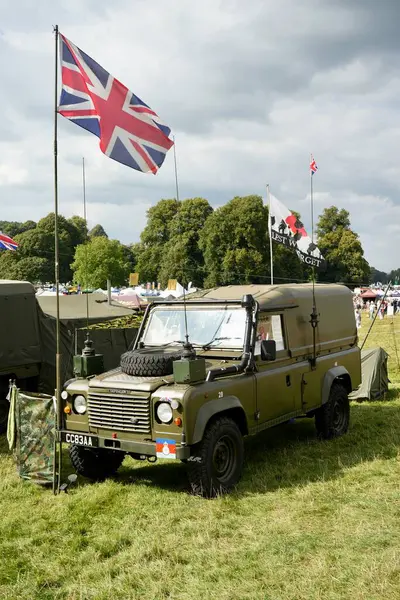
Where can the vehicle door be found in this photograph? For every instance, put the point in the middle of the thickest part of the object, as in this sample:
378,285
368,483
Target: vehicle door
278,382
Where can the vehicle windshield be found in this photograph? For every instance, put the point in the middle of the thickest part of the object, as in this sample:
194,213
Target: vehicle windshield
210,326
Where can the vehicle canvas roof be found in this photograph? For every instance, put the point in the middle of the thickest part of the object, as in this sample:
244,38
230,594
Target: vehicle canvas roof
15,287
74,307
272,297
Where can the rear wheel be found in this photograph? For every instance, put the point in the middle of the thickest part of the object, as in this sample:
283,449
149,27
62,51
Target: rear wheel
332,419
95,463
216,463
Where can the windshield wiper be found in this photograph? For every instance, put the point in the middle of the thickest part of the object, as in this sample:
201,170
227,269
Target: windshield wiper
219,339
172,342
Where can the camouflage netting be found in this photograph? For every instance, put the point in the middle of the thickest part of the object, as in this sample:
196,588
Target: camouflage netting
30,434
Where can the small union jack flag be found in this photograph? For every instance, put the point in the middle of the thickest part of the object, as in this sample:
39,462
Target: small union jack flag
129,131
313,165
6,243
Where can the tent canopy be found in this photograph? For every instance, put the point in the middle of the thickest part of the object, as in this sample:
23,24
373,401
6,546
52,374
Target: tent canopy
374,375
74,307
369,294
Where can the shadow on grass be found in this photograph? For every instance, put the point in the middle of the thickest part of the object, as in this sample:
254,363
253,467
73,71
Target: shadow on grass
285,456
4,445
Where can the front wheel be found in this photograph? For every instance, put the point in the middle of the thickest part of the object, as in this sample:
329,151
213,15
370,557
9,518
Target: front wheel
332,419
95,463
216,464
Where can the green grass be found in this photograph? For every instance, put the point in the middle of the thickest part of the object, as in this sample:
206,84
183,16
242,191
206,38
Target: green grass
309,520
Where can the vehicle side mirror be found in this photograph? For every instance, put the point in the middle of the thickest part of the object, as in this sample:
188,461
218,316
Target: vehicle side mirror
268,350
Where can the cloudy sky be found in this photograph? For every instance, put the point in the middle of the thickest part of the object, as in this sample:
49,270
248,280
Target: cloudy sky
249,89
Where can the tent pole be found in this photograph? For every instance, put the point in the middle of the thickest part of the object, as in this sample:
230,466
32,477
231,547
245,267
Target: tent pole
395,344
376,314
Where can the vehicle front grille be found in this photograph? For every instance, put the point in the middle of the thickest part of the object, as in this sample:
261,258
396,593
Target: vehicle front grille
119,412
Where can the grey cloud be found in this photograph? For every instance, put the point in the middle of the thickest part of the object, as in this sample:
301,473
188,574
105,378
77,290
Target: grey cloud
248,88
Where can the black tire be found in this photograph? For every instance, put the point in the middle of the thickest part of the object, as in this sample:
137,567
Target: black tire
332,419
149,362
95,463
216,463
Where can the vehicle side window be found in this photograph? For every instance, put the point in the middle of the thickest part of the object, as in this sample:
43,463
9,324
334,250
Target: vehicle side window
270,327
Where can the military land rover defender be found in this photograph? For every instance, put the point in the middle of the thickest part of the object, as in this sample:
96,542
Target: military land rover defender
227,363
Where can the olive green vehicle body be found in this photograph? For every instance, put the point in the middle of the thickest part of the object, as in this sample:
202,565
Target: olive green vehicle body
267,393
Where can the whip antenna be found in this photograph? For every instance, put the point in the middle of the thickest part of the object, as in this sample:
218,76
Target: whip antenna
86,242
188,351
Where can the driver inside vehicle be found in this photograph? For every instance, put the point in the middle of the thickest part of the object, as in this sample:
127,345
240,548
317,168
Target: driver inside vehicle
269,328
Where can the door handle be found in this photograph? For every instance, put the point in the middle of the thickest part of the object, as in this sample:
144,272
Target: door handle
288,382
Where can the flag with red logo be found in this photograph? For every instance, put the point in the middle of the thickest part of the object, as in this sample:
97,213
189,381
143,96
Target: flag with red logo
313,165
7,243
285,228
165,448
130,132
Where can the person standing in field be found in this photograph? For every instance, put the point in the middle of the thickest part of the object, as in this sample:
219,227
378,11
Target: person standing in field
371,309
357,314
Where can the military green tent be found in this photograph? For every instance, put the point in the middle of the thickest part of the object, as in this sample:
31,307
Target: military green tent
374,375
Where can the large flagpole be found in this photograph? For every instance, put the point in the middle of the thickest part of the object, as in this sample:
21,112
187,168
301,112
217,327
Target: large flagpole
270,235
176,171
57,277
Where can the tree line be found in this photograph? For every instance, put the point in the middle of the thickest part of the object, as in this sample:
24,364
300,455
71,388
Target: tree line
186,240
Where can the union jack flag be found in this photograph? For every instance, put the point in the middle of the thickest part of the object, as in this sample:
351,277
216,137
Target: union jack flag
129,131
313,165
6,243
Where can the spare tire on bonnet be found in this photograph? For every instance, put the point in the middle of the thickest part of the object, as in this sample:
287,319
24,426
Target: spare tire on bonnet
149,362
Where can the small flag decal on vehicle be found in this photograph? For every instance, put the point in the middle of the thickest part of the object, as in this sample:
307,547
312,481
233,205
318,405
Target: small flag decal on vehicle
165,448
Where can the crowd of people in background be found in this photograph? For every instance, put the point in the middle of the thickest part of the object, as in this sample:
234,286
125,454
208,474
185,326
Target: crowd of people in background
375,308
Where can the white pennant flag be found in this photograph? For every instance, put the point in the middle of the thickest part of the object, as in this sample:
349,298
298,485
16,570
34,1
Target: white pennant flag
285,228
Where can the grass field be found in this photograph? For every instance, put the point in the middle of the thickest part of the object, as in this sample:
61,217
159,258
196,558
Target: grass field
310,520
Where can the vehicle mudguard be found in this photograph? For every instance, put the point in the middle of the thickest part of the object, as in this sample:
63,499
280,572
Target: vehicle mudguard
329,378
211,408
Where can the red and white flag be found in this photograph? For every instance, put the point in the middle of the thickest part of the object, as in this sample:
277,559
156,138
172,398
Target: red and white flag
130,131
7,243
313,165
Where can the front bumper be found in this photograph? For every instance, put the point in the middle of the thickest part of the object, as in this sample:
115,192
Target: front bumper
142,448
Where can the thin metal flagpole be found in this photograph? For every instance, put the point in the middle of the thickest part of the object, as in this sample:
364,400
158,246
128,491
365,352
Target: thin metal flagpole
314,314
176,171
270,235
57,277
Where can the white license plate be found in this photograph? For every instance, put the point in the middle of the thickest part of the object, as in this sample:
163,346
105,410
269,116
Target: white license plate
79,439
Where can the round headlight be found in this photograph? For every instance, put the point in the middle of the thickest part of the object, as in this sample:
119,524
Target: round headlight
64,394
80,404
164,412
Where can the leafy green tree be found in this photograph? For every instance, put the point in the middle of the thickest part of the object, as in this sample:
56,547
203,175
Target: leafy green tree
8,265
78,230
98,260
234,242
97,231
129,257
154,237
380,276
13,228
394,277
341,248
34,259
182,258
